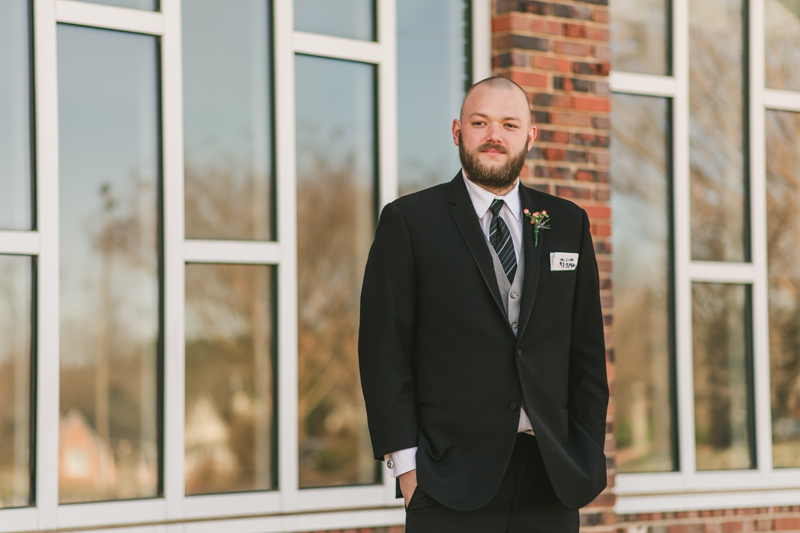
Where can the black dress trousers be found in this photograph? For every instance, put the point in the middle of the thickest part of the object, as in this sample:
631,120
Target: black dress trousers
524,503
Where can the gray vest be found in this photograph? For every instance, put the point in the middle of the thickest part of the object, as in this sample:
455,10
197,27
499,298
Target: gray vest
511,293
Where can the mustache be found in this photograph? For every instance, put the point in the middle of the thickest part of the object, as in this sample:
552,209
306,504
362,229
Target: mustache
489,146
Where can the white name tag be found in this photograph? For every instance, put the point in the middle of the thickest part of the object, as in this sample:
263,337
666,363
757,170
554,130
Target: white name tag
563,261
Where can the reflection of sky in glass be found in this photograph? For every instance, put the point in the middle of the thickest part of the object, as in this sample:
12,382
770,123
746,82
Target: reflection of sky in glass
16,289
723,413
336,166
227,119
432,73
15,117
782,33
639,36
109,288
640,206
716,129
148,5
354,19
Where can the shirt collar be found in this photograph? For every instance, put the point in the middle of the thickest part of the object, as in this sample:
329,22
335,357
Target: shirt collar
482,199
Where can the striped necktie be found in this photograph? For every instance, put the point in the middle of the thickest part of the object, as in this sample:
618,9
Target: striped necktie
501,241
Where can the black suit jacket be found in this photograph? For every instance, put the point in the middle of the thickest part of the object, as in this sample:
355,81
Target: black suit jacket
441,368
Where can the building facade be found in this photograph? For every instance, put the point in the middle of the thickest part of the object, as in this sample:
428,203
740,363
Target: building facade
189,188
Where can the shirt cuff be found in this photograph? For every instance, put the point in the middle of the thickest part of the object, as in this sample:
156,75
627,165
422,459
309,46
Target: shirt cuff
401,462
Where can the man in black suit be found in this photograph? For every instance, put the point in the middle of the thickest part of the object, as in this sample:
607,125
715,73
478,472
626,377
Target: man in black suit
481,340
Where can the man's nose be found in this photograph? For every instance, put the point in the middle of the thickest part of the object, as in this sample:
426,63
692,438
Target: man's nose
494,133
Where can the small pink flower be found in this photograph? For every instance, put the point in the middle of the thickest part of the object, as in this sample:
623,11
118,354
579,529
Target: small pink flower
544,212
525,211
536,214
533,222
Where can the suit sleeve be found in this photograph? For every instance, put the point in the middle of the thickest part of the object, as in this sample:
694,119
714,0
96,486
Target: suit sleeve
588,382
385,336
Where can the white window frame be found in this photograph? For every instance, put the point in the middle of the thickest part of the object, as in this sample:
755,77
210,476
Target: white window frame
286,509
689,489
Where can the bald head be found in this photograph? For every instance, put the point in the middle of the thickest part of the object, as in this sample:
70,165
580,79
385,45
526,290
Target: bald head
496,83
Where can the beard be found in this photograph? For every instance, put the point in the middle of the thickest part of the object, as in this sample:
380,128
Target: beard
493,178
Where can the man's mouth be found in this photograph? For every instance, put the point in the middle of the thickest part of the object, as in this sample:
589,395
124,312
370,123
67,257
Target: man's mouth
489,149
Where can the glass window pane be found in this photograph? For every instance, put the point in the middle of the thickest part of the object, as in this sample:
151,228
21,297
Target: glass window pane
433,62
230,383
354,19
783,231
228,119
336,177
782,33
15,117
716,130
722,376
639,38
640,203
109,249
16,291
148,5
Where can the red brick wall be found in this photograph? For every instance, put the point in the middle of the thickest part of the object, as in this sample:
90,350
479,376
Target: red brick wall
558,51
783,519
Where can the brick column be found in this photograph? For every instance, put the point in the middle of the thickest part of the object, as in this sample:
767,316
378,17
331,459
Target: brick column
558,51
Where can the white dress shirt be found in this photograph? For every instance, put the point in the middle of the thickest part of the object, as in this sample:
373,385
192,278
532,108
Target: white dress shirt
403,461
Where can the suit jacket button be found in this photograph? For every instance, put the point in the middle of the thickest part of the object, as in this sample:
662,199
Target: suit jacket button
390,464
519,352
513,295
512,406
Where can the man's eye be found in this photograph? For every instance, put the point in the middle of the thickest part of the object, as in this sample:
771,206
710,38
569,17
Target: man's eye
478,123
512,126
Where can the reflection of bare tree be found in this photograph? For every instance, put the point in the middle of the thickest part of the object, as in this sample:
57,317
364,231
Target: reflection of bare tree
721,345
640,36
783,230
640,205
717,123
15,351
335,225
782,33
119,325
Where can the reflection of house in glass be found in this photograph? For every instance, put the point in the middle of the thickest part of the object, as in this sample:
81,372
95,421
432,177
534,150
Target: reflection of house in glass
85,461
209,457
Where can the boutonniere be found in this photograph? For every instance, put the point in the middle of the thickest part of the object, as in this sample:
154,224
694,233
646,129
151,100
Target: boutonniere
539,219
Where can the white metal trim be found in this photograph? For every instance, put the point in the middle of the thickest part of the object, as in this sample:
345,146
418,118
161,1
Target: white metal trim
700,502
643,84
719,272
481,40
235,504
111,513
781,100
109,17
174,270
19,242
717,481
682,228
284,84
336,47
47,201
387,103
18,519
762,410
244,252
342,497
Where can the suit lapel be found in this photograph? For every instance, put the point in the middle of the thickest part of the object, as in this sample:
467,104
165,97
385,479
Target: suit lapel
533,260
464,214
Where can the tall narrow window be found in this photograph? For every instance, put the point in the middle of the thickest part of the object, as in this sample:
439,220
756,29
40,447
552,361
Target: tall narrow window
717,127
433,73
640,201
783,231
16,180
723,403
109,248
230,385
227,101
16,273
336,191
